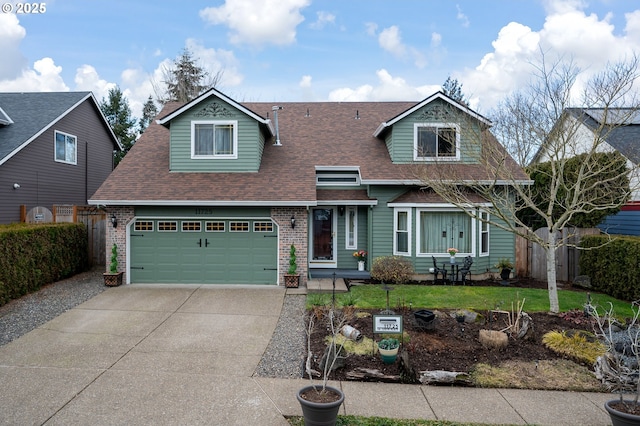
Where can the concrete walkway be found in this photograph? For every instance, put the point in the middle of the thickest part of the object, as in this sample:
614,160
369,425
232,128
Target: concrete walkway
168,355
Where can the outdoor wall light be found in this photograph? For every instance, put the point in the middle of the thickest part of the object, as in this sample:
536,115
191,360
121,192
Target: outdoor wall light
16,185
293,222
114,220
341,210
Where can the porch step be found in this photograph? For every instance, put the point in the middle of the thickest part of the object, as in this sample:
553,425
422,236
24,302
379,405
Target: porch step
325,285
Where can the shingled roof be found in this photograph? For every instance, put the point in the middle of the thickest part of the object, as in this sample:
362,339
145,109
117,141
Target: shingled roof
27,115
313,136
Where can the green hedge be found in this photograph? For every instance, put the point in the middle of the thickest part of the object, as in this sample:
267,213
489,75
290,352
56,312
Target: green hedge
614,267
34,255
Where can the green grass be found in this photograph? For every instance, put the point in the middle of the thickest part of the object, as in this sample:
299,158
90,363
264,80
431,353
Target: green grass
379,421
474,298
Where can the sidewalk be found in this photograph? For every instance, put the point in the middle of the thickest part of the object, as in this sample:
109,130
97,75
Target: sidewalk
185,355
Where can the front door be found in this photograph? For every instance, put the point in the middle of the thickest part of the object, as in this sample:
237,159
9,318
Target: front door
323,226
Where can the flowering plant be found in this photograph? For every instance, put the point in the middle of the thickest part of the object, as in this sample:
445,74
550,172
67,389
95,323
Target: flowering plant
452,251
360,255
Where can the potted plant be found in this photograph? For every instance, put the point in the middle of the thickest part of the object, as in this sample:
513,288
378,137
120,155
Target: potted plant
619,367
505,266
361,257
292,278
320,402
113,277
452,253
388,349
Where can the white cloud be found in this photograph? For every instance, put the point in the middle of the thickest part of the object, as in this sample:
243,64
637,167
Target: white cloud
87,78
567,33
305,81
389,88
371,28
44,77
214,60
460,16
258,23
324,18
391,41
11,34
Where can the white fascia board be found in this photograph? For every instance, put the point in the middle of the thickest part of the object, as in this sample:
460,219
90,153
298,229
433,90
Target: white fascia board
337,168
440,205
178,203
437,95
214,92
467,182
348,203
4,118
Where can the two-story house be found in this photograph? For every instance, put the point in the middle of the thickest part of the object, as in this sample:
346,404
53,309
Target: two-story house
216,191
55,148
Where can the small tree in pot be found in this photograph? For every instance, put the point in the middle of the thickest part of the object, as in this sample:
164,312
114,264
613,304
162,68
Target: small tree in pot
292,278
320,403
619,367
113,277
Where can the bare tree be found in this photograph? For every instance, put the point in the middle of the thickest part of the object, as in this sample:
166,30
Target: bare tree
184,80
542,123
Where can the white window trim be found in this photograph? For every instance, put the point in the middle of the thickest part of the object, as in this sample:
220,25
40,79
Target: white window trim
480,223
395,231
233,156
75,160
474,226
455,126
348,210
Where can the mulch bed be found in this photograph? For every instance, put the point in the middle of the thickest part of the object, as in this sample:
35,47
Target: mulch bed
454,346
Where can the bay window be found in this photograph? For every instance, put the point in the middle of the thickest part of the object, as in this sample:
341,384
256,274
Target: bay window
439,230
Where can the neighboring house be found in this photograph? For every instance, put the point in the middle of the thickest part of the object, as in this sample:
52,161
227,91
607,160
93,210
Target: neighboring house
620,130
55,148
216,191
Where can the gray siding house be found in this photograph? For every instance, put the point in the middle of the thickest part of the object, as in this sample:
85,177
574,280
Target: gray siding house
55,148
216,191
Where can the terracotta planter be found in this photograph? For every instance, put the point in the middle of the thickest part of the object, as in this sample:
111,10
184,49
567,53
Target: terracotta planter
619,418
112,280
319,413
291,281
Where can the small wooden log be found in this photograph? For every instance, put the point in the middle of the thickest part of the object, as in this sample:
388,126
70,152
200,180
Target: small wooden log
372,375
439,377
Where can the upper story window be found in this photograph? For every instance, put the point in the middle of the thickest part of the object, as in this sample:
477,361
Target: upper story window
436,141
214,139
66,148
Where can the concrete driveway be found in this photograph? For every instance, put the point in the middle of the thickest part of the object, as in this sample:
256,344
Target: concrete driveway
140,355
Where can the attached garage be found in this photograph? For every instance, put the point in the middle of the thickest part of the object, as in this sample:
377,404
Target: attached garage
203,251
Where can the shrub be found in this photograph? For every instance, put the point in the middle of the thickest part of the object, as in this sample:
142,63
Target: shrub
578,345
612,265
392,269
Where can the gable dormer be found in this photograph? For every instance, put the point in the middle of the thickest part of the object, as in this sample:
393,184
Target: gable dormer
438,129
213,133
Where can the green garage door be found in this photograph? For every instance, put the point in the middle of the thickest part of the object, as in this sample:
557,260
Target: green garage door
230,251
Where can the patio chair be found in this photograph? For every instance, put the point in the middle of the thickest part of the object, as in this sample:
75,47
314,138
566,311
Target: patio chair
465,270
438,271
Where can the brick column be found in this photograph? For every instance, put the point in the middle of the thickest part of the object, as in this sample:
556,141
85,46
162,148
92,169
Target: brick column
124,215
297,236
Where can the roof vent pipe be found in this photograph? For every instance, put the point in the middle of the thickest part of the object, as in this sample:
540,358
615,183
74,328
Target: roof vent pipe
275,110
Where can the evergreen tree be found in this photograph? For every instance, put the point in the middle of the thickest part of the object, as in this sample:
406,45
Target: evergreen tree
184,80
116,110
149,112
453,89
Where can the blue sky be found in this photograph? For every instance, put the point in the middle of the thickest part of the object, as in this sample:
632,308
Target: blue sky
311,50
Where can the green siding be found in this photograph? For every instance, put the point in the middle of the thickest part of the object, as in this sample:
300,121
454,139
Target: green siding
250,142
501,242
399,140
345,257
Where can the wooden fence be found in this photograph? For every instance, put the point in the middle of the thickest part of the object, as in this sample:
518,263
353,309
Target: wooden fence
531,259
94,219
